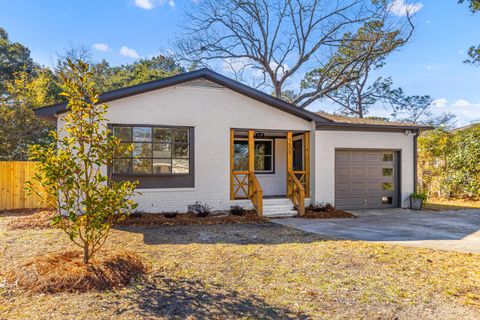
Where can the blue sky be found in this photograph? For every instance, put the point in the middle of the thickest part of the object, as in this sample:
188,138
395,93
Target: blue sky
124,30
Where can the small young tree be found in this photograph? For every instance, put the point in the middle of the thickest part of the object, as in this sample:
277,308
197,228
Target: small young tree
73,167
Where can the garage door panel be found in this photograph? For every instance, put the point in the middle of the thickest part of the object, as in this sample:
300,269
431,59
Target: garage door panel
373,172
343,172
358,172
374,157
342,186
342,156
365,179
358,186
354,202
357,157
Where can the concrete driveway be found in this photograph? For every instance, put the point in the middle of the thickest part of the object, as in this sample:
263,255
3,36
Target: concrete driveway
446,230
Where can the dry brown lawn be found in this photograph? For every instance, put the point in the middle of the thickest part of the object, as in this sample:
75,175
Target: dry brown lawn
252,271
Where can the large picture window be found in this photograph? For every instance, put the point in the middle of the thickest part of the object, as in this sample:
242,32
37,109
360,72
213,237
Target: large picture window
263,156
156,150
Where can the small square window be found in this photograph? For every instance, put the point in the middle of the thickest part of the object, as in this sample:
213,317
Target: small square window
180,135
122,166
387,172
123,133
387,200
142,166
387,186
162,135
180,166
162,150
180,150
388,157
126,154
142,134
142,150
162,166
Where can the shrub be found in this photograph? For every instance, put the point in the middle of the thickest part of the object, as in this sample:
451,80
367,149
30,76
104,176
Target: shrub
136,214
86,200
419,196
321,207
237,210
200,209
170,215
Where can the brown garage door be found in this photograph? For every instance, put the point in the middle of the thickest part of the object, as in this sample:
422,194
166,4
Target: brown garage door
366,179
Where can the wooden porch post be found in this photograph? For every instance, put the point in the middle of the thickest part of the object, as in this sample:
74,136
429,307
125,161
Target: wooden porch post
232,163
289,157
307,164
251,151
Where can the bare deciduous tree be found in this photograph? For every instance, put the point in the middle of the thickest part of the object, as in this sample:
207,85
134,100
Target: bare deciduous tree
327,43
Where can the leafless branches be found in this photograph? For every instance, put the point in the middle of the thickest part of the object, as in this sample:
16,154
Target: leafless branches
327,43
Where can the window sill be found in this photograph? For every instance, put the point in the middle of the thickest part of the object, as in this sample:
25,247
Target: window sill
150,174
156,190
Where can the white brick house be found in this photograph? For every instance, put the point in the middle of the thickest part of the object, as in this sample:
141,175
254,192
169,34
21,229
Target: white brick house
200,136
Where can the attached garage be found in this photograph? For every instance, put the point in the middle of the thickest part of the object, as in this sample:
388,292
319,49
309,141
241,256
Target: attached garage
366,179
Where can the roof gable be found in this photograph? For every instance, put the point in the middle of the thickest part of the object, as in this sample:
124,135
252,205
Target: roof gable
50,112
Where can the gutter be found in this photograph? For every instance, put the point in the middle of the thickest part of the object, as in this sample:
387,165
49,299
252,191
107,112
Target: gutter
415,160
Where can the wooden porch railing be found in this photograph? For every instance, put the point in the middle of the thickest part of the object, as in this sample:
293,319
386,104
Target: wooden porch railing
255,193
246,186
296,193
301,176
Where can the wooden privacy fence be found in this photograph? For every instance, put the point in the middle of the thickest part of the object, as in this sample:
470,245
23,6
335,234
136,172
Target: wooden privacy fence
13,175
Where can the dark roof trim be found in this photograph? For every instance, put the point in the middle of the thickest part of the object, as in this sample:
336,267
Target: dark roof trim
50,112
369,127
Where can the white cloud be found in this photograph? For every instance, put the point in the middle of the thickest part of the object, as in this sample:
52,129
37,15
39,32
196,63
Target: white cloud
127,52
464,104
144,4
101,47
401,8
440,102
150,4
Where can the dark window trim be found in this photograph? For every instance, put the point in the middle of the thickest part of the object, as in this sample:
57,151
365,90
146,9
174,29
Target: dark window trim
160,180
272,140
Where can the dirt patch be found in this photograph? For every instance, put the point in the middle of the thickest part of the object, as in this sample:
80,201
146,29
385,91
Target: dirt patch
35,219
158,219
326,211
336,214
65,272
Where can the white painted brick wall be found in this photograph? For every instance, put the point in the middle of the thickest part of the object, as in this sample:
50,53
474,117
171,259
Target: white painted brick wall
212,112
327,141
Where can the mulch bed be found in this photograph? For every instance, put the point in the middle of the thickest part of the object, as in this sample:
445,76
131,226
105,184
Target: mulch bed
156,219
329,214
33,219
65,272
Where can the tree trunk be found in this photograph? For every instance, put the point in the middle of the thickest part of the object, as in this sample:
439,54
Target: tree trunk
86,254
278,91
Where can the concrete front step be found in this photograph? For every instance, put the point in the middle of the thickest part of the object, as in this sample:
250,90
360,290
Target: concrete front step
281,214
278,208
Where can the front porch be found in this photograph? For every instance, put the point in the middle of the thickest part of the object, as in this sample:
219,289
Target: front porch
270,164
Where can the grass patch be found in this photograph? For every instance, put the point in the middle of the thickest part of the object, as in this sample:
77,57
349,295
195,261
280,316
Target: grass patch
65,272
439,204
252,271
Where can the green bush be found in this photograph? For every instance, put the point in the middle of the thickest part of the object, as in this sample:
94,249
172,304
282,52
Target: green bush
72,168
449,163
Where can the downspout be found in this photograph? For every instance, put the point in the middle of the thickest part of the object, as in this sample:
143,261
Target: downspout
415,160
